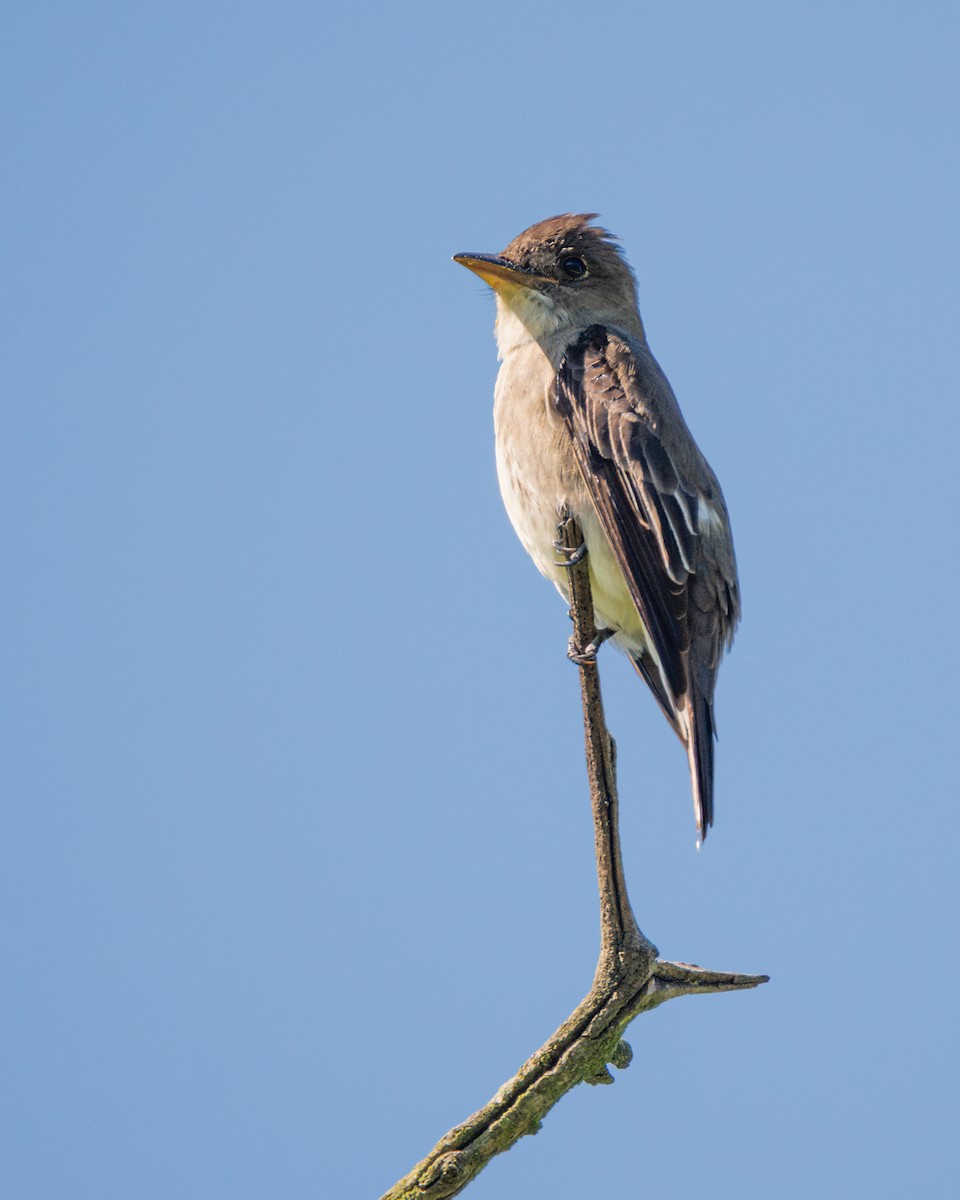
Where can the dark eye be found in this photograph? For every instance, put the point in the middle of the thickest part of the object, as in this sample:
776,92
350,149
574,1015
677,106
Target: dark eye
573,267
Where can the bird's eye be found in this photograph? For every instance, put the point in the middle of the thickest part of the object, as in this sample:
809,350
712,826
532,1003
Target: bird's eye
573,267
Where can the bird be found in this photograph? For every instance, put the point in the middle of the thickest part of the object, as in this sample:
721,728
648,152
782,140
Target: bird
585,422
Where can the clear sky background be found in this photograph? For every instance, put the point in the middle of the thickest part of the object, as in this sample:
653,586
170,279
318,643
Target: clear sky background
296,861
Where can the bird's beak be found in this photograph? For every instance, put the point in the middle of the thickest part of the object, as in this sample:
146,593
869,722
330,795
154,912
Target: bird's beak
502,274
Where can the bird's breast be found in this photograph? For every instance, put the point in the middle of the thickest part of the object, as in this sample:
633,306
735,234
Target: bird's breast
535,467
539,478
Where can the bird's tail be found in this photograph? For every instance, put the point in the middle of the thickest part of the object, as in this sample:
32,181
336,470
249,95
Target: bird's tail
692,722
699,741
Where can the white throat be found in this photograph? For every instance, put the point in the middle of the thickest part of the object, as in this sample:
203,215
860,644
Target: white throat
528,316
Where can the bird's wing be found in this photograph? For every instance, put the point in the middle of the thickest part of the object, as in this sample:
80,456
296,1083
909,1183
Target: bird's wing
662,510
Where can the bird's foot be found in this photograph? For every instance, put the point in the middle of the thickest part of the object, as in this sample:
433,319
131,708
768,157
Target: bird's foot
588,655
570,558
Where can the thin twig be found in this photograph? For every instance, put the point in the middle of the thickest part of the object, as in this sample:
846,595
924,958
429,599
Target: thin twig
630,978
619,932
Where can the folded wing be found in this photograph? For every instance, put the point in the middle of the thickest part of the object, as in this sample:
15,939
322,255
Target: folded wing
663,513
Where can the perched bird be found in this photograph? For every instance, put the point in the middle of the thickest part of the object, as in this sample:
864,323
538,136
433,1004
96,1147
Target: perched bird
585,419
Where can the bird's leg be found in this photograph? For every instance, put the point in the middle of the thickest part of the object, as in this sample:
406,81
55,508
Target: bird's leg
588,654
582,657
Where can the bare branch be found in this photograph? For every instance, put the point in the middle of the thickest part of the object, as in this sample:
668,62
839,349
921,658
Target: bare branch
630,978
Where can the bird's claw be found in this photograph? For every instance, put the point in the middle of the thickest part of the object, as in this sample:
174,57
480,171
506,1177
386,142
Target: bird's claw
570,557
588,655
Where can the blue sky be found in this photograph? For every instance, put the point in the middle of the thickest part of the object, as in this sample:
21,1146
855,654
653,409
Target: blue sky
297,864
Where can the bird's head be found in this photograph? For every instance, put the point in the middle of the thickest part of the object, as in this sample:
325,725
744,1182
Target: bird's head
558,276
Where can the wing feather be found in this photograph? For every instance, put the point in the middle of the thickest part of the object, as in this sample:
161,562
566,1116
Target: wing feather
647,480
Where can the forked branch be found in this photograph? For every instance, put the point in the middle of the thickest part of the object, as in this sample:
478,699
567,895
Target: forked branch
630,978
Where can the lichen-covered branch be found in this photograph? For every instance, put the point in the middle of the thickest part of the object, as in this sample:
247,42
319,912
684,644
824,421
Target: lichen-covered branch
630,978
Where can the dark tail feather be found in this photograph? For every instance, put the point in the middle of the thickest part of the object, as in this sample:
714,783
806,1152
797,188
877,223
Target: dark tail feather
700,754
700,743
